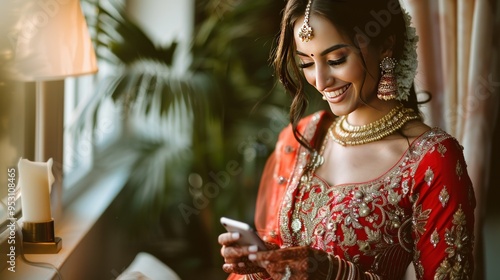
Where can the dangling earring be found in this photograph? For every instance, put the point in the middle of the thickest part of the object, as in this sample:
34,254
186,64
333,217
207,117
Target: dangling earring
388,85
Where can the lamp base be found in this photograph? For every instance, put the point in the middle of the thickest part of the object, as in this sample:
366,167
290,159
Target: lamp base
52,247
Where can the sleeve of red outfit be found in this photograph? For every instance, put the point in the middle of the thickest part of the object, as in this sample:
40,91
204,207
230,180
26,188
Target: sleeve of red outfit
443,214
276,175
265,204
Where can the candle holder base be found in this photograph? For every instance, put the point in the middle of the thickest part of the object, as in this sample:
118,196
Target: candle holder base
52,247
38,238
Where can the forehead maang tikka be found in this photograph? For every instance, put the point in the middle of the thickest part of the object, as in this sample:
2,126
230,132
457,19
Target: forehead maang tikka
306,31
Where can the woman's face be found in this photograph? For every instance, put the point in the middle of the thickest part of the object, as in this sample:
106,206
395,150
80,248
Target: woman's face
333,65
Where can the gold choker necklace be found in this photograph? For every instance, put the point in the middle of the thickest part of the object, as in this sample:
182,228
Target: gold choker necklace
346,134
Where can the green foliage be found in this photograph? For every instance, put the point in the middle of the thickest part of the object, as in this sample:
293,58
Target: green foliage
160,112
233,43
125,41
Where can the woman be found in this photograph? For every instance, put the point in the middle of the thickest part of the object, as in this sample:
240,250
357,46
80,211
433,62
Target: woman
360,195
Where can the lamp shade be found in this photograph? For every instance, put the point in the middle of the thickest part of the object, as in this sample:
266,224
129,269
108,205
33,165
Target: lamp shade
50,41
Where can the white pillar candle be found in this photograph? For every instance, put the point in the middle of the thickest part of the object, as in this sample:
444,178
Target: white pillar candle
35,181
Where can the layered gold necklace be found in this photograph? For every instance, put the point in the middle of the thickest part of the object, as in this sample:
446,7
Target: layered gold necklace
346,134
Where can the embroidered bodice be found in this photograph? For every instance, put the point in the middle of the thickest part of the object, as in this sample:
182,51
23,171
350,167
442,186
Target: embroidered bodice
421,210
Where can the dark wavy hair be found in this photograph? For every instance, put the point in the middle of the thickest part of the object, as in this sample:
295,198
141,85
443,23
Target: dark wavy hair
375,20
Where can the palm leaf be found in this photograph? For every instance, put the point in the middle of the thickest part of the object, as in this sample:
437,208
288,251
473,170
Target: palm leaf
125,40
160,111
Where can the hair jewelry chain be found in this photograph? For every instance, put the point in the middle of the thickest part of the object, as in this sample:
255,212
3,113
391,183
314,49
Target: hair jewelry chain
306,32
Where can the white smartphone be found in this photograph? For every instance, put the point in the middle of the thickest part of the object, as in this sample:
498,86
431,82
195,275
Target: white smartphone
247,235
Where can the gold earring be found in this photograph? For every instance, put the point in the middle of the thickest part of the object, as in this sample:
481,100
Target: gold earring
388,85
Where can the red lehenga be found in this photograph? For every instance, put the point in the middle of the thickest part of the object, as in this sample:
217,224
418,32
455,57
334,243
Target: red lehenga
421,210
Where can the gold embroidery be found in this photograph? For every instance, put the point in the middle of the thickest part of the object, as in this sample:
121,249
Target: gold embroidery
420,220
359,220
442,271
393,197
349,236
444,196
405,187
301,161
441,149
459,245
435,238
445,271
372,235
456,235
429,175
419,268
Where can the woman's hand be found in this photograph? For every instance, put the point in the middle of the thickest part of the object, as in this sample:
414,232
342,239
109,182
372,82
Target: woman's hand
236,257
288,263
296,263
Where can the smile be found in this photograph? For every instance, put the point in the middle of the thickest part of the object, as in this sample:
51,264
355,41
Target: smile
336,93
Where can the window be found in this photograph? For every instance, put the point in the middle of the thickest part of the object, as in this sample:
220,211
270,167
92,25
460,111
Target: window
80,137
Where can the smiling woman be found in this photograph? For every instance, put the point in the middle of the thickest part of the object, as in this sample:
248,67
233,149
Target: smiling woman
363,189
335,64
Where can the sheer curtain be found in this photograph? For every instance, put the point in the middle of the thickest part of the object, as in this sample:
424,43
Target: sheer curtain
459,60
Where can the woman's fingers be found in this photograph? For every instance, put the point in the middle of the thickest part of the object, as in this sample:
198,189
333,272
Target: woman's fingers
231,252
241,267
236,257
266,256
228,238
228,267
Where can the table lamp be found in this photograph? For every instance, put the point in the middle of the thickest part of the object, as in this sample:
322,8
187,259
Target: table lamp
50,41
